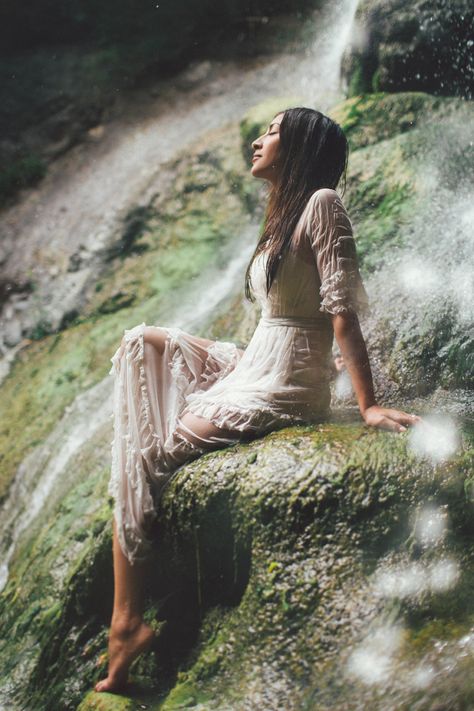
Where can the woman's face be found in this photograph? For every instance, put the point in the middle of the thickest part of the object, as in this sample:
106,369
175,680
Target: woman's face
265,162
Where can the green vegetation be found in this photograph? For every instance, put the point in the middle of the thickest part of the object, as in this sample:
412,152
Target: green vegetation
181,235
261,552
371,118
267,553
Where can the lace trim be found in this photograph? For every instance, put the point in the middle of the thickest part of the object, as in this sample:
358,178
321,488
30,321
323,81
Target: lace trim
132,536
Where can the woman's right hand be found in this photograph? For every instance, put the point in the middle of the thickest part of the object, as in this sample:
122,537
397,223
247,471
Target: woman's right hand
387,418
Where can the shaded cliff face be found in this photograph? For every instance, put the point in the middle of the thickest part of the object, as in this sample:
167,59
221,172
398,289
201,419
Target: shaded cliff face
314,567
416,46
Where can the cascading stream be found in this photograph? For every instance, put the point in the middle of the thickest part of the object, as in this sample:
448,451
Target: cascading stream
77,210
119,173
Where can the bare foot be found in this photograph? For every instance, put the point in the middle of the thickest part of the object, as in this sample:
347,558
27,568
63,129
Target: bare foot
126,642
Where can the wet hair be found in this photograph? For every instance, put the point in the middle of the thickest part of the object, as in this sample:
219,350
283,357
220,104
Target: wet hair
313,154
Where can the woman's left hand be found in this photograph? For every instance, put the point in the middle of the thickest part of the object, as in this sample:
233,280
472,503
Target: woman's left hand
389,419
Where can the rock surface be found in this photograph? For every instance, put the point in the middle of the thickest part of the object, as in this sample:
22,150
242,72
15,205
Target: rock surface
65,72
307,569
417,46
320,567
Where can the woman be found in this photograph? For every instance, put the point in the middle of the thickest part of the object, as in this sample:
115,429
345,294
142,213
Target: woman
177,396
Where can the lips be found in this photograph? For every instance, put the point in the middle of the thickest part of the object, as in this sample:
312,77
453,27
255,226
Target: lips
255,157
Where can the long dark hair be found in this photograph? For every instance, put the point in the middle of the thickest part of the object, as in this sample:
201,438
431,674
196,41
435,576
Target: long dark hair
313,154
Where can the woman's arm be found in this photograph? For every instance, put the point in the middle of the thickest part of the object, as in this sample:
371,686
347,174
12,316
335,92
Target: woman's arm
351,342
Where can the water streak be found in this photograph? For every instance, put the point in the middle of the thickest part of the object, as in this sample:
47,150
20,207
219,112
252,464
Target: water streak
121,173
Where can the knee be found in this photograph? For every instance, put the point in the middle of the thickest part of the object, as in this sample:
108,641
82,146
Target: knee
156,336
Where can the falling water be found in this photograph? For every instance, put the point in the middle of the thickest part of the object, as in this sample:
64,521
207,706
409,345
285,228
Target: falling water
118,174
82,202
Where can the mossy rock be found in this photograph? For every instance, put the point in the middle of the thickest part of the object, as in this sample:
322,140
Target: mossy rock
107,702
402,186
267,561
270,554
416,47
373,117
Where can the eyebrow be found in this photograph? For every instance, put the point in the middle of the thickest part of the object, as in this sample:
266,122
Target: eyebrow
274,123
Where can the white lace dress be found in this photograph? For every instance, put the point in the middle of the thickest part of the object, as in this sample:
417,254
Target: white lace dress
281,378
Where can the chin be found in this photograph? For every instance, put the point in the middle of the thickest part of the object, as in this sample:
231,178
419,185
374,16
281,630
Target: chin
256,173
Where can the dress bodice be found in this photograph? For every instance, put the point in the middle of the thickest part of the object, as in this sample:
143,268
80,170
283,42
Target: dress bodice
319,274
294,292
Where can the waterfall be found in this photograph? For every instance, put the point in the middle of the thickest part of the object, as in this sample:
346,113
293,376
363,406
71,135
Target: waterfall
118,174
78,209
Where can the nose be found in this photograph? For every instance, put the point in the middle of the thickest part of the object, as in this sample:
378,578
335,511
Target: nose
257,143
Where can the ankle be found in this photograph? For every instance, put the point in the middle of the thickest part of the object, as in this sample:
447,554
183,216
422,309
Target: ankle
125,622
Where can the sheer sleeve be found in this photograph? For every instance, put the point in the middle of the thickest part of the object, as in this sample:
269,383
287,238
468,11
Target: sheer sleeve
332,241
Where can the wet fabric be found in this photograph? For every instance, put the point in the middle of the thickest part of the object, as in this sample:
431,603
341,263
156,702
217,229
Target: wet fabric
281,378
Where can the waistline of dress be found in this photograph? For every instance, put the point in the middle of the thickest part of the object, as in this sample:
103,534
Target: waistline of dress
320,324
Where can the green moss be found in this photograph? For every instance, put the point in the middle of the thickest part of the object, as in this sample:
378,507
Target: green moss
380,206
357,82
285,527
266,552
138,286
373,117
376,81
184,695
107,702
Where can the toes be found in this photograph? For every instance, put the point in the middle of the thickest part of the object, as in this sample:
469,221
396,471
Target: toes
106,685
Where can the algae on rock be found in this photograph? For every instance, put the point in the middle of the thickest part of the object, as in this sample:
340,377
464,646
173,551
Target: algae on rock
269,572
284,567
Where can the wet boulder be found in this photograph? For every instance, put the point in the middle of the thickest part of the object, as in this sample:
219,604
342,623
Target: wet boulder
311,568
418,46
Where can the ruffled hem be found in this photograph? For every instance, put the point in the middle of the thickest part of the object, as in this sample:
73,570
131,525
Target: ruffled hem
132,537
143,462
242,419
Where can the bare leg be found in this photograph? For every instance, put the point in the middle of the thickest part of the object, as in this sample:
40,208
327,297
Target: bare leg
129,635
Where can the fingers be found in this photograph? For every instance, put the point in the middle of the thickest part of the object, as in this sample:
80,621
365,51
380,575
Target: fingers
403,418
391,419
387,423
